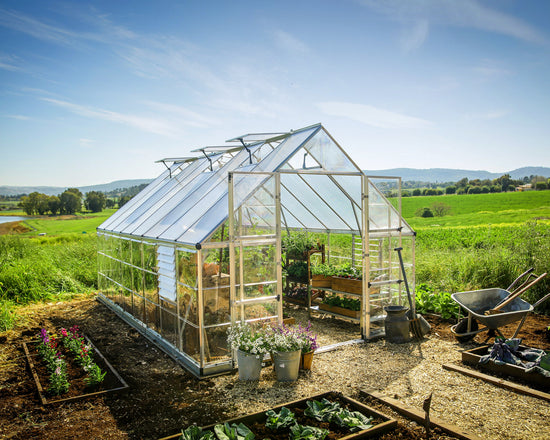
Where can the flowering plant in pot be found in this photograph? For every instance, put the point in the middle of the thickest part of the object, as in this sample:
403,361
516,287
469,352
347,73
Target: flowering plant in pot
251,345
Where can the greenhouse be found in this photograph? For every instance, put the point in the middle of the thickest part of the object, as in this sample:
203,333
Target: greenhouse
208,243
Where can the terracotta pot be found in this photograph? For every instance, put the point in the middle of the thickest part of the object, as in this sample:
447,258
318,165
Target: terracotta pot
306,360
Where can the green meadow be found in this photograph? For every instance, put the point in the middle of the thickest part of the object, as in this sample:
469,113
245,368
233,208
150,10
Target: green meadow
486,240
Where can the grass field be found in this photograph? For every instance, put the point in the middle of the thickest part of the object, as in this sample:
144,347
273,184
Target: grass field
480,209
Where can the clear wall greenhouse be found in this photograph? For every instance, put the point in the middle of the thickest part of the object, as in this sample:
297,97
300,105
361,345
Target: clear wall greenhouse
200,248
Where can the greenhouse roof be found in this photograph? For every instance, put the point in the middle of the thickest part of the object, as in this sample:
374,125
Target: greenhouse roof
321,189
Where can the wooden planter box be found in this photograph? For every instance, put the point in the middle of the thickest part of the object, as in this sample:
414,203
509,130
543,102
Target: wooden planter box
301,301
347,285
472,357
382,422
112,381
340,310
321,281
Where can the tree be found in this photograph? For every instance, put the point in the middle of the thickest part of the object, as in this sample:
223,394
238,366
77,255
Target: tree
450,190
95,201
424,212
109,203
54,204
474,190
70,202
417,192
123,200
440,209
462,183
42,204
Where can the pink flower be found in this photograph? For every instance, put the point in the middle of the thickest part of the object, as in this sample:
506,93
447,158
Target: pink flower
64,332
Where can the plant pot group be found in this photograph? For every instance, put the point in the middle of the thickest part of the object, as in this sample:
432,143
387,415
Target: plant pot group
285,363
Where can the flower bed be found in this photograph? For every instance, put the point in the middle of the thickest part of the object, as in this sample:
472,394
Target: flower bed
69,367
312,418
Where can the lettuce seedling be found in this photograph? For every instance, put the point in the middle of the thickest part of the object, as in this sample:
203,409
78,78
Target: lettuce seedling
299,432
284,419
194,432
233,432
323,410
353,420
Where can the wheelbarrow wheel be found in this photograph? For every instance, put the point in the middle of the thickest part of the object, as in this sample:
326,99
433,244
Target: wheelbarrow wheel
461,329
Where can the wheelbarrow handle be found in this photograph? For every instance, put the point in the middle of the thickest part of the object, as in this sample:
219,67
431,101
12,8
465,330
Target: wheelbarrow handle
518,293
540,301
527,272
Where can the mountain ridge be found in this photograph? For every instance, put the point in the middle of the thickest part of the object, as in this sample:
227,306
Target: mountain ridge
433,175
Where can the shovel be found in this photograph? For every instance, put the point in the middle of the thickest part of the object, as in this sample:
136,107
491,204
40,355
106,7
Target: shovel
417,324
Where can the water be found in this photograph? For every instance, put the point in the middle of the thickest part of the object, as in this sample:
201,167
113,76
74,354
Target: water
11,218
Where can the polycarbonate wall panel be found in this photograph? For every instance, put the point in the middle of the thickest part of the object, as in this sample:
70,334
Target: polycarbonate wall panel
295,214
328,154
319,207
382,214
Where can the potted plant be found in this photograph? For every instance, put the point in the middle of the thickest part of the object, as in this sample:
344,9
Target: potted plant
285,347
341,305
308,341
251,345
297,270
297,245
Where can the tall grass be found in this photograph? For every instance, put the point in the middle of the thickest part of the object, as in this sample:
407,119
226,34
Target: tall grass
461,259
46,268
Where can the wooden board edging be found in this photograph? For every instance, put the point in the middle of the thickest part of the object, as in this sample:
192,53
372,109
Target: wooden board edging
521,389
418,416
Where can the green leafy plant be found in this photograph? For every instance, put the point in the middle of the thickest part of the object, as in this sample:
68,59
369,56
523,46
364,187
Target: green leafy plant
428,301
195,432
300,432
233,432
283,419
348,271
353,420
345,302
323,410
297,244
297,270
324,269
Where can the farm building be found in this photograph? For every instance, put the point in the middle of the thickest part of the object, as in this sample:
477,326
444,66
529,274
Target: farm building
201,246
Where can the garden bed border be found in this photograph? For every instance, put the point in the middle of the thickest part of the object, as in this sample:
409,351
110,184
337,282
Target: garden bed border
419,416
387,425
40,389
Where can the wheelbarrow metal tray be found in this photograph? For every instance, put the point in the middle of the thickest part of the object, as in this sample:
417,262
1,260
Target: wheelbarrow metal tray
477,302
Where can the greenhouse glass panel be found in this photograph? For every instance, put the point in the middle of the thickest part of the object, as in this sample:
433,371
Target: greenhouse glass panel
215,286
138,308
168,321
217,348
295,214
325,151
258,264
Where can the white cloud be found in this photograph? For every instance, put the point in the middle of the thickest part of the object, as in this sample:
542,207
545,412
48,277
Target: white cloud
490,68
372,116
462,13
147,124
489,115
9,62
289,42
86,143
415,37
18,117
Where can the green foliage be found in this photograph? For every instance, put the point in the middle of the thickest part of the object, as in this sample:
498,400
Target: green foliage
233,432
424,212
353,420
297,270
8,314
325,269
195,432
323,410
345,302
46,268
297,243
95,201
283,419
428,301
299,432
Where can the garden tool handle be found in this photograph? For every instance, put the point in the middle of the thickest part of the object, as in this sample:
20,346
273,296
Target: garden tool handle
411,302
519,292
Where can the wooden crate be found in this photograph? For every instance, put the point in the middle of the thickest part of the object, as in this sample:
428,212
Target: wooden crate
321,281
340,310
387,424
347,285
472,357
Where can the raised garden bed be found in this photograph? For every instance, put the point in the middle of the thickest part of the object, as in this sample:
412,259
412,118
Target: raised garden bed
349,285
78,388
256,422
472,357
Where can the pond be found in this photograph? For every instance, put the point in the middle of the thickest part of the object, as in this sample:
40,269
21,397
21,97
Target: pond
11,218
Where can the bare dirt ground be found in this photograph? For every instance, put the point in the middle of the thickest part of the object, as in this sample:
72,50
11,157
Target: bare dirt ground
163,398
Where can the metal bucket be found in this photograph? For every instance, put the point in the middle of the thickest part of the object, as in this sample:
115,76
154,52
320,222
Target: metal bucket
287,365
250,365
396,324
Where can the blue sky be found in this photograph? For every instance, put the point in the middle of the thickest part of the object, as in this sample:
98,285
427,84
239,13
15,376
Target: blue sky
96,91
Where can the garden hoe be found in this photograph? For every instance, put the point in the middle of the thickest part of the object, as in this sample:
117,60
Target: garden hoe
417,324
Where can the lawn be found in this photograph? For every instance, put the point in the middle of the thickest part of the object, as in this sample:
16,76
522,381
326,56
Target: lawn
83,223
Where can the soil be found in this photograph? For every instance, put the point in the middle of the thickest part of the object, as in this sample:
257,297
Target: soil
162,397
13,228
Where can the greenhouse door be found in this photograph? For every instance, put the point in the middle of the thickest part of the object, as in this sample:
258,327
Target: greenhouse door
255,247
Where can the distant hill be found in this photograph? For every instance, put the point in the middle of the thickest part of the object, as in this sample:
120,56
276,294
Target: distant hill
454,175
56,190
407,174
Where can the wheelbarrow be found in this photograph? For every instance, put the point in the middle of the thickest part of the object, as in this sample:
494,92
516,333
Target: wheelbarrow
495,308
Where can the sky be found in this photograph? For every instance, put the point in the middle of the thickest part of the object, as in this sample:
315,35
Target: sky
97,91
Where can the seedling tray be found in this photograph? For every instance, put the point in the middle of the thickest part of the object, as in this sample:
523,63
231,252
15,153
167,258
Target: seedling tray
112,382
472,357
383,423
